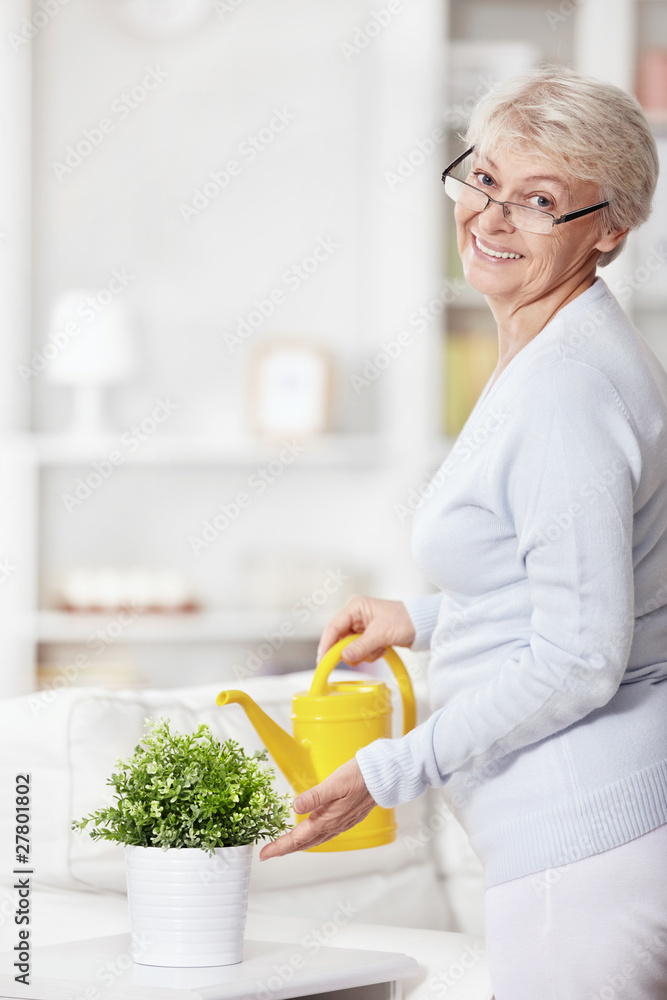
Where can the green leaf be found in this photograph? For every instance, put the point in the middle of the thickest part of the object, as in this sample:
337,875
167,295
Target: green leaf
190,790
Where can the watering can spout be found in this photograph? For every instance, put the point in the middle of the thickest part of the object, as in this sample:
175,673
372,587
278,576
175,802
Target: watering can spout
292,757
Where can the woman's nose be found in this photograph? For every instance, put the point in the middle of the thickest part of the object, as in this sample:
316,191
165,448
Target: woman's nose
493,218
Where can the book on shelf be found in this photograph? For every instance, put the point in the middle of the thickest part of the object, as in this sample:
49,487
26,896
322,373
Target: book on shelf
470,358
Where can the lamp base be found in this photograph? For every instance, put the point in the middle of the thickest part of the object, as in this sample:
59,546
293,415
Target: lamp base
87,418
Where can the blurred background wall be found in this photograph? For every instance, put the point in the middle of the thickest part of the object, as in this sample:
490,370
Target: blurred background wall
236,341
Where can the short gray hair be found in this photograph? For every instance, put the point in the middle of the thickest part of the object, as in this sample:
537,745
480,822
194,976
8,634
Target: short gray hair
587,129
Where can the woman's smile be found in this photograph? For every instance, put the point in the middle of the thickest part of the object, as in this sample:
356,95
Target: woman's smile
491,252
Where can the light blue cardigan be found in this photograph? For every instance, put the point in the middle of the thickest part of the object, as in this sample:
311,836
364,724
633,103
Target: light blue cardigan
546,536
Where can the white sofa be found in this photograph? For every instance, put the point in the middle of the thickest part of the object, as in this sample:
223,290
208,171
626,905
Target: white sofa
421,895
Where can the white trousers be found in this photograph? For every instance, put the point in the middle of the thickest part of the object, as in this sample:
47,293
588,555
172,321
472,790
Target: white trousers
595,929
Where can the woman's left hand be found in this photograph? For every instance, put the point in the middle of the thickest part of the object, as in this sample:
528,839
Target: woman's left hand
336,804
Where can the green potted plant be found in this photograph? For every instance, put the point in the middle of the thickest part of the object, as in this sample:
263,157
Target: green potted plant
188,810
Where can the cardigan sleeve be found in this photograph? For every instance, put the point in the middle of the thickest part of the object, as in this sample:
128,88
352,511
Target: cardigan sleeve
423,613
563,475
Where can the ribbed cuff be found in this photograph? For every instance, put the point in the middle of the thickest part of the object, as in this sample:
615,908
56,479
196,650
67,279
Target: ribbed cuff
423,613
389,772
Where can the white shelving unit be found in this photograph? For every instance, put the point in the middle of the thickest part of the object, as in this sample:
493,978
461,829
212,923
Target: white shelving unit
236,626
335,467
329,451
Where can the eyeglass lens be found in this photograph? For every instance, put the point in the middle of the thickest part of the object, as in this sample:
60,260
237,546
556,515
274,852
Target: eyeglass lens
528,219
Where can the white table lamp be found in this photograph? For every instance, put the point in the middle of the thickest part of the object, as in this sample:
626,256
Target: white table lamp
95,349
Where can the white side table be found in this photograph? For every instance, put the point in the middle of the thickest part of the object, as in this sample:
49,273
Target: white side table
101,969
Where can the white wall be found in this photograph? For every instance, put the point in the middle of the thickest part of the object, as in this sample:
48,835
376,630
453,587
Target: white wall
354,114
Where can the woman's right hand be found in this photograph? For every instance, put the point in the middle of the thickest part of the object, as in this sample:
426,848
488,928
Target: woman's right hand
379,624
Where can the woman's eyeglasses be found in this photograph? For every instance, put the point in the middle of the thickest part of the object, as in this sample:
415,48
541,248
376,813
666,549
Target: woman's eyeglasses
530,220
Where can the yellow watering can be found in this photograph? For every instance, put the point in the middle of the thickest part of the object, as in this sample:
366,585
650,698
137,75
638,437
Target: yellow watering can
332,722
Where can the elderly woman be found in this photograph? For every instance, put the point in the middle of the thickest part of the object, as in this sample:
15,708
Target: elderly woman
548,545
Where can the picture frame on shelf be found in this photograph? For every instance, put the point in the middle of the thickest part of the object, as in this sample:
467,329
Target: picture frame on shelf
290,388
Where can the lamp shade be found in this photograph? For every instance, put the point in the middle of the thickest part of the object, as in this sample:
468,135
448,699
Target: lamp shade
96,341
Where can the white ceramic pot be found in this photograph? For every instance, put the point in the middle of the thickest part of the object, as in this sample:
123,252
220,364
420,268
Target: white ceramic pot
187,909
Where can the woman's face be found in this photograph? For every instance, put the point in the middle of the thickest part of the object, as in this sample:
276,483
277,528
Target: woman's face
544,260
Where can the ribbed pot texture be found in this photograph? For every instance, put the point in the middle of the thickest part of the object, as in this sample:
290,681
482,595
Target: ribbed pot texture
187,910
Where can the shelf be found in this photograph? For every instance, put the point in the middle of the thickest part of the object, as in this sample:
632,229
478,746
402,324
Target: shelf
244,625
332,450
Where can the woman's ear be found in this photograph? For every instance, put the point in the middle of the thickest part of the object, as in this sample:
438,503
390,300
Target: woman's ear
610,241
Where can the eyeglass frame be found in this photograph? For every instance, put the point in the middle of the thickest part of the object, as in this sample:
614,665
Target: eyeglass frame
568,217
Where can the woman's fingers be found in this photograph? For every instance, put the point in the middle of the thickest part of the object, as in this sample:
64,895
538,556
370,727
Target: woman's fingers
308,833
362,649
346,780
339,626
370,645
314,797
379,623
367,647
316,829
336,804
299,839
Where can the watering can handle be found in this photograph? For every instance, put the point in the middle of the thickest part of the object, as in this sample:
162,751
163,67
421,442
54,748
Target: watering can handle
331,659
